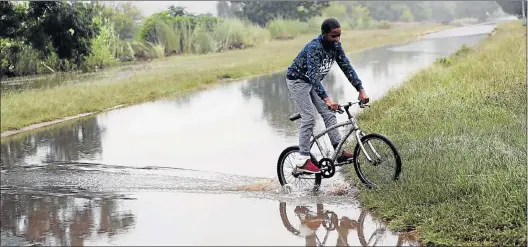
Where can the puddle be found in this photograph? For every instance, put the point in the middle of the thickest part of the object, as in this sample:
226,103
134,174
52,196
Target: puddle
236,128
167,218
158,173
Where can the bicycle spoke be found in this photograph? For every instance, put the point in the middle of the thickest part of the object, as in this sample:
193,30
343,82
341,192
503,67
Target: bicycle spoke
288,171
377,235
290,163
303,181
380,171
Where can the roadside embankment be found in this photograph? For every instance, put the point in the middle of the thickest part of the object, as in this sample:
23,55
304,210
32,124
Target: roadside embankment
178,74
460,127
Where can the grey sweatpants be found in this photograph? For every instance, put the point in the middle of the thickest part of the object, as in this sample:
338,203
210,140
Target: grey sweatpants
307,102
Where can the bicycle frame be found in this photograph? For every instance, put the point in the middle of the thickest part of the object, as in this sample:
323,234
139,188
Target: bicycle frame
353,129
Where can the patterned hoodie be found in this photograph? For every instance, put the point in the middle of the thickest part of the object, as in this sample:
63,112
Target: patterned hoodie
315,60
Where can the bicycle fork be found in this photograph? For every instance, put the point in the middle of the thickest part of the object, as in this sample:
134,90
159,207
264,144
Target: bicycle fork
358,138
358,135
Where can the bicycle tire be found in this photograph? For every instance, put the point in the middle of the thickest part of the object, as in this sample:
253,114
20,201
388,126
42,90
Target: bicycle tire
393,148
280,166
360,231
361,234
286,222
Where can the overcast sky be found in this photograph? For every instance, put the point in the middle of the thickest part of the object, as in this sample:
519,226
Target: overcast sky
195,7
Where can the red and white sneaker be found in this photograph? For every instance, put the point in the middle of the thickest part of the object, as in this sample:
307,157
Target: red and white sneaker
304,164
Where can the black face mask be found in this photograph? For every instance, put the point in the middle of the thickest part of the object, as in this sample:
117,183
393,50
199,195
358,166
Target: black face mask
329,44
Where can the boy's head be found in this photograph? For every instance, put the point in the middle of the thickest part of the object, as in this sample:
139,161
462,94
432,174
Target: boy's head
331,30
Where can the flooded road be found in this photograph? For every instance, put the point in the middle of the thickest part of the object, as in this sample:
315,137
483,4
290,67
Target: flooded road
167,218
196,169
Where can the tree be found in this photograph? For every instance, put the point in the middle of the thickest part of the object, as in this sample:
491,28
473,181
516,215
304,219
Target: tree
11,21
513,7
442,11
68,27
125,17
406,14
224,9
261,12
177,11
63,28
336,10
475,9
419,10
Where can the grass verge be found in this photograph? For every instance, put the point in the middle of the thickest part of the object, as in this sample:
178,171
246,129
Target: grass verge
460,127
177,74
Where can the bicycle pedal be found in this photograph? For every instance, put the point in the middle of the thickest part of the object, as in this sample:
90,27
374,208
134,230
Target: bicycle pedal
346,162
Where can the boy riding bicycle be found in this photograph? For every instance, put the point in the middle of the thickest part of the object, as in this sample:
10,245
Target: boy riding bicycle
304,78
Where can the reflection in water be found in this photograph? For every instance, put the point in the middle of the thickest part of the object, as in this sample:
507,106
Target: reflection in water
15,152
76,141
88,218
277,104
183,219
380,63
306,222
38,218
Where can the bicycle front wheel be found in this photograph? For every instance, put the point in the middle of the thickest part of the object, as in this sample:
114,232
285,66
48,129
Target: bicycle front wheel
384,165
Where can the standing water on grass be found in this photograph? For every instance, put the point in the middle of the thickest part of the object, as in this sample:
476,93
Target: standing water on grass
116,178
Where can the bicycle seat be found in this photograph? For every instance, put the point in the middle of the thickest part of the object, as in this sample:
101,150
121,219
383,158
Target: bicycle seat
295,116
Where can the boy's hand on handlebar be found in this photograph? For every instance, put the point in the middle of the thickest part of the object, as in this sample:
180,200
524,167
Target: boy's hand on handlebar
363,96
331,104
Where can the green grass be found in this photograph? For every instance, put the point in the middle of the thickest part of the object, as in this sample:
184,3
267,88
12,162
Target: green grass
177,74
460,127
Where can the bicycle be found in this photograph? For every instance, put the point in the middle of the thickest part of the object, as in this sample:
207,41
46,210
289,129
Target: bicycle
328,164
331,222
328,220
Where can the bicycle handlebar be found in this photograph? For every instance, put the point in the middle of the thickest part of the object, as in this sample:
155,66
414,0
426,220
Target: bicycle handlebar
339,109
348,104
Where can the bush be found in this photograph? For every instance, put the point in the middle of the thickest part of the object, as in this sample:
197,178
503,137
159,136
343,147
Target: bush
314,23
175,33
448,61
287,29
360,18
203,41
104,47
383,25
238,34
353,16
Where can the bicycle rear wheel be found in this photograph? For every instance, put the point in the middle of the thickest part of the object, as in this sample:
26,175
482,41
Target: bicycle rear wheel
285,170
330,221
385,164
286,221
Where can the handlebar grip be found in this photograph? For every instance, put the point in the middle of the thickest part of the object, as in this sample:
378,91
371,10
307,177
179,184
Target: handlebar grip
295,116
338,109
